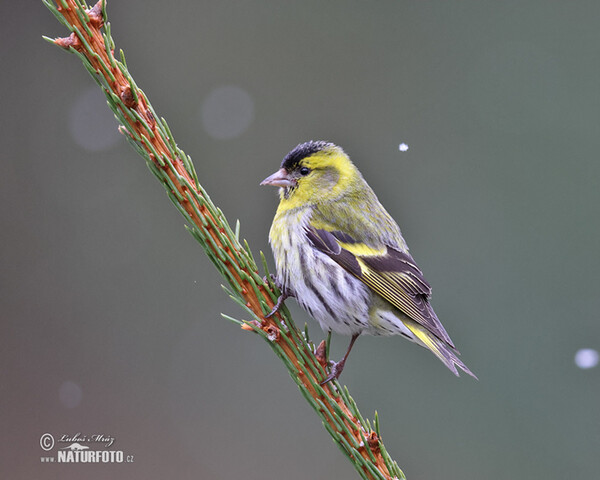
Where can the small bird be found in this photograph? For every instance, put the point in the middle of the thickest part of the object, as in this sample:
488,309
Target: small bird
343,258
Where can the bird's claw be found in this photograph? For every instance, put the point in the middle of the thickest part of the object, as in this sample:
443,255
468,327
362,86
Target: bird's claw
334,372
337,367
276,307
285,294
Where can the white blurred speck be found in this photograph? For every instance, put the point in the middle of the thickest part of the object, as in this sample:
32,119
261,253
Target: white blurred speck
227,112
586,358
70,394
91,123
403,147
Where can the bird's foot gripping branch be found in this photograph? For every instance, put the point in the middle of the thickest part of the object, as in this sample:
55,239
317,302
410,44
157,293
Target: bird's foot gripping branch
90,40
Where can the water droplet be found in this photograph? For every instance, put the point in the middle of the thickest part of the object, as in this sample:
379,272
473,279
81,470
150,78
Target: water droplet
586,358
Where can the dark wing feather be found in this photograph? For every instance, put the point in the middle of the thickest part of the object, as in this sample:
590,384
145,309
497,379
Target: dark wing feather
393,275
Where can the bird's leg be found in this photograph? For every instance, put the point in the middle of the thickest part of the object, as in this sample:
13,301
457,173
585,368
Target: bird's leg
285,293
279,303
338,367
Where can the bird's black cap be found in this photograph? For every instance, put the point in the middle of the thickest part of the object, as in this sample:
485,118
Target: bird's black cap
292,159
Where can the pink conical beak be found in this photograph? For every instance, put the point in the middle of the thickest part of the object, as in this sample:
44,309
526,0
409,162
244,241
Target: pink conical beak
280,178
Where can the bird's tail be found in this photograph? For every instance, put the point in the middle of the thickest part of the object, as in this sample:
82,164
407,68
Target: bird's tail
447,354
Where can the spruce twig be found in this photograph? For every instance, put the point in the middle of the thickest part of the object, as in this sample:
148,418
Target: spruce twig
150,136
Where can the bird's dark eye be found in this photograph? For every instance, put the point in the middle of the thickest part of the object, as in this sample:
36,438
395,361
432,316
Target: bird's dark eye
304,171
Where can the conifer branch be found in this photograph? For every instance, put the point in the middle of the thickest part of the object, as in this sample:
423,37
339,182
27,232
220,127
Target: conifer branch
150,136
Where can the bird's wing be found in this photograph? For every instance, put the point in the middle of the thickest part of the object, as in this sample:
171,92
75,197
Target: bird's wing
387,271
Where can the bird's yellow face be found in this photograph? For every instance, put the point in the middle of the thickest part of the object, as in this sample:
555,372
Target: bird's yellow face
312,173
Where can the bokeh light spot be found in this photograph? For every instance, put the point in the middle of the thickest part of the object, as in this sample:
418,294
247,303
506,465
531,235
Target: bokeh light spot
403,147
227,112
70,394
586,358
91,124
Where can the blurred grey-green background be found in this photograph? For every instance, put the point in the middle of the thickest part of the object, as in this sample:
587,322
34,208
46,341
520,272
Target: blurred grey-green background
110,311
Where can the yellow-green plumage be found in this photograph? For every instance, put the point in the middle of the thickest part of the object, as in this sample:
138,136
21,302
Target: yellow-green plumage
343,257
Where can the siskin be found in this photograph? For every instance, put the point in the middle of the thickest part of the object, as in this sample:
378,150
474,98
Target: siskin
342,256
